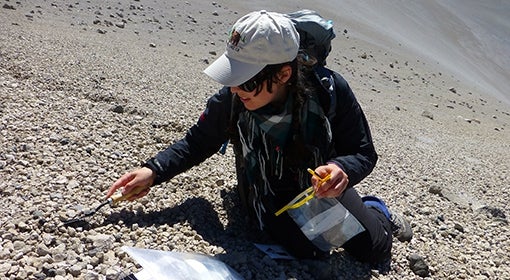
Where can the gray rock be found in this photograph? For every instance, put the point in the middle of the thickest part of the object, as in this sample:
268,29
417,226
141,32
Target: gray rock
8,7
5,267
418,265
118,109
75,270
18,245
493,212
436,190
427,114
100,240
42,250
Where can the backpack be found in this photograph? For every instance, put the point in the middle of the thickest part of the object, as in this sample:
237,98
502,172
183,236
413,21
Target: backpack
315,35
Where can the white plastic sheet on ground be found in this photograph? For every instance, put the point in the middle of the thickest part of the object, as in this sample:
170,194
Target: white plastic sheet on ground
176,265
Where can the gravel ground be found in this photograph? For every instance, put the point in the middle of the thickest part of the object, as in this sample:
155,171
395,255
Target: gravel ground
90,90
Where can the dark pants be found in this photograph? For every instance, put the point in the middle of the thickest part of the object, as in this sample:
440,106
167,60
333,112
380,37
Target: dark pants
371,245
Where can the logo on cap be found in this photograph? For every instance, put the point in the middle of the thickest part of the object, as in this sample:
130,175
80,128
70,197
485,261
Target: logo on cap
235,38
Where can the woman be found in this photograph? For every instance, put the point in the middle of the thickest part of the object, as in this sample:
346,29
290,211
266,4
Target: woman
272,109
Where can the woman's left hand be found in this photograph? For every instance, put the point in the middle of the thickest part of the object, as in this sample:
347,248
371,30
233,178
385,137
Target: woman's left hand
333,187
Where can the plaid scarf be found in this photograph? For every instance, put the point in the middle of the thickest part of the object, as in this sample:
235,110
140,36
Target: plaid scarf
265,137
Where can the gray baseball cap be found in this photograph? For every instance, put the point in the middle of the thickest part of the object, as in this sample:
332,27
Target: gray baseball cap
256,40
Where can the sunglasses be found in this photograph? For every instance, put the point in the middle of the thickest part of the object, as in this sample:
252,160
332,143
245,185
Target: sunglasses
250,85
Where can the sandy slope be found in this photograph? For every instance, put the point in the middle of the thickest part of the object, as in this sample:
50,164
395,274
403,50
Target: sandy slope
443,143
466,38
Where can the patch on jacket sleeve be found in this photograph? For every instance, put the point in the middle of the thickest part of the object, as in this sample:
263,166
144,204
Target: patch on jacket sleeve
203,115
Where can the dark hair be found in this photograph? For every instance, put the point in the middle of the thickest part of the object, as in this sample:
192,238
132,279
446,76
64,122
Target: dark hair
269,75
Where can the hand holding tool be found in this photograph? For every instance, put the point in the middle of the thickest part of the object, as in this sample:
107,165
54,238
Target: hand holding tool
305,196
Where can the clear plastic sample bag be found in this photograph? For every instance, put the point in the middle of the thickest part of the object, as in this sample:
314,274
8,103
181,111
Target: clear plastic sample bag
324,221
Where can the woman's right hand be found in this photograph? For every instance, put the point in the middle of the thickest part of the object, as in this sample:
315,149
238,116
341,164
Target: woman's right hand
143,178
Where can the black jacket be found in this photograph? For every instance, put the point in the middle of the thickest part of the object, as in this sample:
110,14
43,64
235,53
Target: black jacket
355,152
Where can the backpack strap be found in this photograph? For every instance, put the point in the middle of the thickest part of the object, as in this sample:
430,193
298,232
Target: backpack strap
235,109
327,82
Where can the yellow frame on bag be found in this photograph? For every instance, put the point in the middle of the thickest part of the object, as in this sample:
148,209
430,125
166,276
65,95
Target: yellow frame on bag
303,197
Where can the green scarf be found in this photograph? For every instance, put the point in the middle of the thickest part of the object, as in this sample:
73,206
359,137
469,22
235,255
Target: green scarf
268,142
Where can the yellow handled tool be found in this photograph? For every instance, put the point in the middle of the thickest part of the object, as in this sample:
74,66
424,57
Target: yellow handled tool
112,200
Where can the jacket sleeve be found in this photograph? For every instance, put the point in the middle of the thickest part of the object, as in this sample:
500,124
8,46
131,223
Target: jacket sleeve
355,152
200,142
